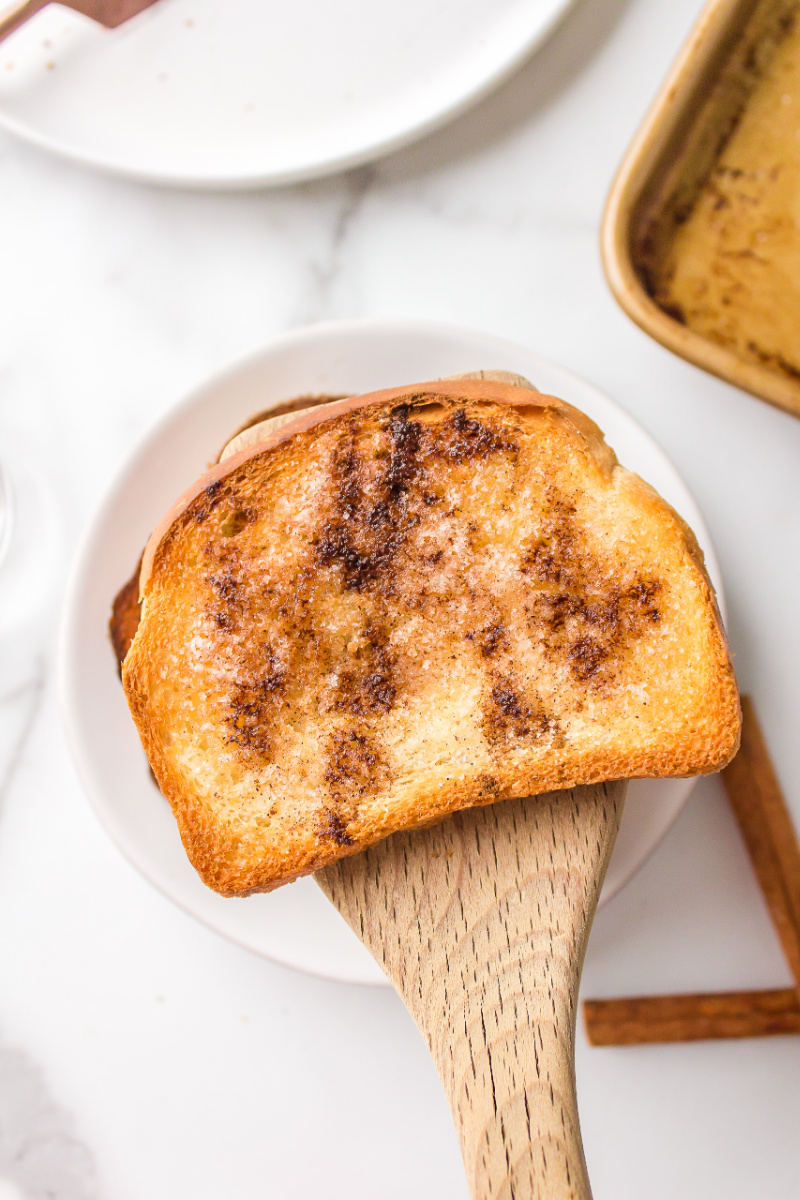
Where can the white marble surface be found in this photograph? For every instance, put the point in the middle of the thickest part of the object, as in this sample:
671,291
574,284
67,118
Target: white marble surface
140,1055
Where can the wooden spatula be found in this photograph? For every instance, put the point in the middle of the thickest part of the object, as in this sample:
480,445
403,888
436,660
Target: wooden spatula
481,924
107,12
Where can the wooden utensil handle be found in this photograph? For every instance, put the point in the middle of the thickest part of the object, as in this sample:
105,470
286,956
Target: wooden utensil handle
11,18
481,923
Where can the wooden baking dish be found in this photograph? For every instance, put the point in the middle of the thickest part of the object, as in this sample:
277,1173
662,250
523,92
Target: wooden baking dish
693,128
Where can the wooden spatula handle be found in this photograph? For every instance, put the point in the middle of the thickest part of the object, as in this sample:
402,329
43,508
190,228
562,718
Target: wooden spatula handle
17,14
481,923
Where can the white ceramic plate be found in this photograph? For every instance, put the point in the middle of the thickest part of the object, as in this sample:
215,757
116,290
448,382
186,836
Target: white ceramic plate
294,925
200,93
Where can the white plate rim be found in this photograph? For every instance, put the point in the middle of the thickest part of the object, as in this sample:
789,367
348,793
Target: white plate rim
377,148
67,654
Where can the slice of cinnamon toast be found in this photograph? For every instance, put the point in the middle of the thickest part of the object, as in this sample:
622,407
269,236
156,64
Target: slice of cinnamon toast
407,603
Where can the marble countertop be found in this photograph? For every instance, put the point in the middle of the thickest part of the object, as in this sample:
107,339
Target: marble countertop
140,1054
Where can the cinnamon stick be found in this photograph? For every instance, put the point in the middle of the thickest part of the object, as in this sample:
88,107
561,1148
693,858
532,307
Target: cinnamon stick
768,832
757,801
691,1018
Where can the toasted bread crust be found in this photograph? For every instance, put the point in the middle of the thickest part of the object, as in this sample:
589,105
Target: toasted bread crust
408,604
126,613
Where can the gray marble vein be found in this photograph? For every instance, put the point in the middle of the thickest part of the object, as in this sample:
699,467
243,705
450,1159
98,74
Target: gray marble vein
41,1158
319,303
